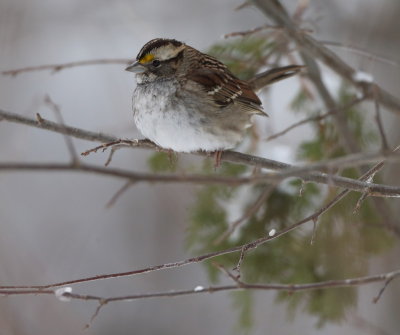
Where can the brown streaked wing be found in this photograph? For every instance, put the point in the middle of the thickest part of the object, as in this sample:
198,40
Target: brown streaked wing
250,99
225,89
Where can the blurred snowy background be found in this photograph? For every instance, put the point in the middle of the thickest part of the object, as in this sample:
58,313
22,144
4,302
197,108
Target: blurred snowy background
55,227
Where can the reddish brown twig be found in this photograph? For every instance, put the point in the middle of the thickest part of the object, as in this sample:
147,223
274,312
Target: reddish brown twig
62,66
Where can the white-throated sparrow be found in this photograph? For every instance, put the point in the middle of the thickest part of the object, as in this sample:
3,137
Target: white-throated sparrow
187,101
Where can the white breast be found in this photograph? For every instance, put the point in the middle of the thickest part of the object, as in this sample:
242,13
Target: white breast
163,120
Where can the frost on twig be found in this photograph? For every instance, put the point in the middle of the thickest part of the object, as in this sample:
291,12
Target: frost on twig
363,77
62,293
252,210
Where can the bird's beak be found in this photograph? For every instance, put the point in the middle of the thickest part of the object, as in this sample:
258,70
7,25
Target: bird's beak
136,67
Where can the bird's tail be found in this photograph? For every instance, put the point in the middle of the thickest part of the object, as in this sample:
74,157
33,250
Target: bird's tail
272,76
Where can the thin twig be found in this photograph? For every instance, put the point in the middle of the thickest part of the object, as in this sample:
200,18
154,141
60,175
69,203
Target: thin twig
118,144
365,325
112,152
314,231
302,6
68,141
242,248
306,172
121,191
375,190
318,51
298,124
250,31
315,216
388,279
211,289
320,117
56,127
360,201
362,52
236,279
372,172
58,67
101,304
248,214
258,29
378,119
238,266
311,51
153,178
239,285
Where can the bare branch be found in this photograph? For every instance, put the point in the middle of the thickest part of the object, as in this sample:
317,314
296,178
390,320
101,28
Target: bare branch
147,177
362,52
312,50
376,190
314,217
121,191
298,124
248,214
242,248
62,66
385,143
306,173
238,266
388,278
239,285
315,49
228,273
360,201
211,289
251,31
258,29
102,303
320,117
58,128
346,137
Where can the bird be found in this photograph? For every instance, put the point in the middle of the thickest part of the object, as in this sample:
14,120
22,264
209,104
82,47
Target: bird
188,101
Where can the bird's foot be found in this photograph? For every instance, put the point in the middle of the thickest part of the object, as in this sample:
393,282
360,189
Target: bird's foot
217,159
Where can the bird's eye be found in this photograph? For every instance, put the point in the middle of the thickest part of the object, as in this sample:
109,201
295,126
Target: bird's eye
156,63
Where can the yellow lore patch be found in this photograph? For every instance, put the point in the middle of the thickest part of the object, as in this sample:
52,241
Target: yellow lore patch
146,59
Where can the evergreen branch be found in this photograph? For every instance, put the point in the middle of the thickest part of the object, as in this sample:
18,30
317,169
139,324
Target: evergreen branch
241,248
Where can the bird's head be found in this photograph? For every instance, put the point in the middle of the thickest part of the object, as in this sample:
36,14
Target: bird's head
158,58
